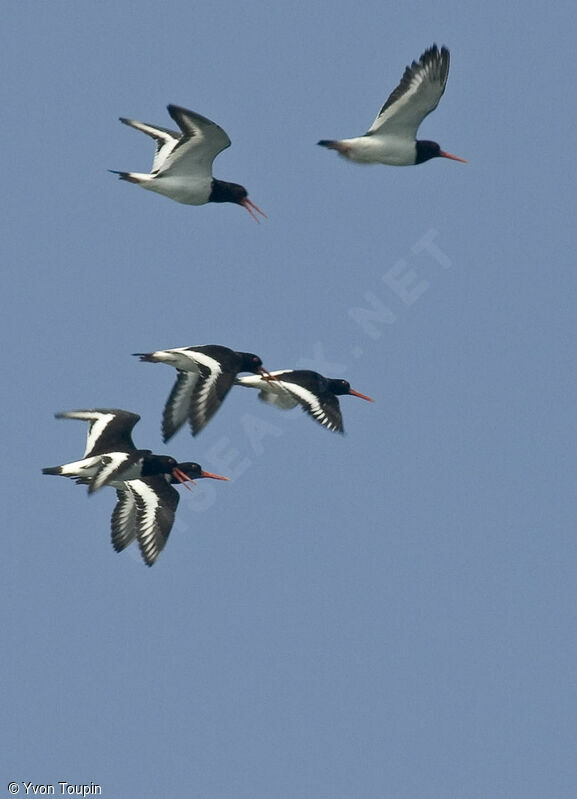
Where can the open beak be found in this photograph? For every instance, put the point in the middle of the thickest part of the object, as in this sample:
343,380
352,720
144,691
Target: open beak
443,154
214,476
362,396
182,477
249,205
267,375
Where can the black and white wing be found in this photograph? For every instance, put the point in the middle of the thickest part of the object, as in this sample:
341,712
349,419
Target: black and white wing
117,467
156,502
123,521
177,408
211,389
110,429
166,140
284,393
418,93
323,408
201,141
196,395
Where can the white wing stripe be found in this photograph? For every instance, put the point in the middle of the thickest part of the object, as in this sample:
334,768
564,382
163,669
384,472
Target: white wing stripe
179,404
147,503
102,420
111,463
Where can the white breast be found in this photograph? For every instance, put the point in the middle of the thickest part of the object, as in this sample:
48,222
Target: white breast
380,150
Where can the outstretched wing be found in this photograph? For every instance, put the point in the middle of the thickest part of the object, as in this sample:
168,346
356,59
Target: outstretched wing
110,429
200,143
123,521
324,409
156,502
212,388
418,93
176,410
166,140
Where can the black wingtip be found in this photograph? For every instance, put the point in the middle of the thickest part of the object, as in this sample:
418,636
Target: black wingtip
122,175
330,144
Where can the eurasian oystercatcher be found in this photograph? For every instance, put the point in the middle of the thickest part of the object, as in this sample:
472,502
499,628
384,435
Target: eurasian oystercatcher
110,454
205,376
317,395
182,166
146,500
391,137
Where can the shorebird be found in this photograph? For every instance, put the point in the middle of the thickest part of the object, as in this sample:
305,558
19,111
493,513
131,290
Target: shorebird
205,376
391,139
146,501
317,395
182,166
110,456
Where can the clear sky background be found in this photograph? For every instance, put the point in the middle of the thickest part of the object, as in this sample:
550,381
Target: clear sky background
386,614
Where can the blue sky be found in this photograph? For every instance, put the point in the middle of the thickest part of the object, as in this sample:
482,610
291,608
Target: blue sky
386,614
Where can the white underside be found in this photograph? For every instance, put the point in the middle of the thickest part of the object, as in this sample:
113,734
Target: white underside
181,189
376,150
274,392
185,359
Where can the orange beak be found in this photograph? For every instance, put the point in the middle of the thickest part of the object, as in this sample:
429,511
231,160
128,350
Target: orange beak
267,375
249,205
362,396
214,476
443,154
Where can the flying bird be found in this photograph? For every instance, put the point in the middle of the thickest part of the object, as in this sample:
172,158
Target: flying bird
391,139
182,166
317,395
146,501
205,376
110,456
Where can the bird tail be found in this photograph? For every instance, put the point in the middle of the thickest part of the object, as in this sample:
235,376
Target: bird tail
131,177
330,144
52,470
148,357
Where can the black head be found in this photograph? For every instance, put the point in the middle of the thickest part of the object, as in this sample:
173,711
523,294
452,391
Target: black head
158,464
430,149
341,387
193,471
338,387
224,192
250,363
